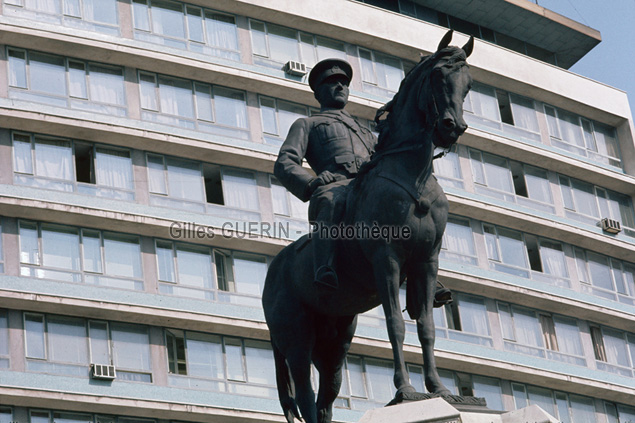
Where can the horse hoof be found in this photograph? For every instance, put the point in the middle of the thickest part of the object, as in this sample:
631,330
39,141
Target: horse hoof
406,390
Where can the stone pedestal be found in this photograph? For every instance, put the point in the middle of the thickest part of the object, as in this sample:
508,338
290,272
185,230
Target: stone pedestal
438,410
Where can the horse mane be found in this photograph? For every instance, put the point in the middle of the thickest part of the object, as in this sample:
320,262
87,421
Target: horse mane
451,55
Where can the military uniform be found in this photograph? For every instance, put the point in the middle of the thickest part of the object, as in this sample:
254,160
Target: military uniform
330,140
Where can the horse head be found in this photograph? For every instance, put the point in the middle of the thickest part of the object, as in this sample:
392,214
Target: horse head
442,93
430,99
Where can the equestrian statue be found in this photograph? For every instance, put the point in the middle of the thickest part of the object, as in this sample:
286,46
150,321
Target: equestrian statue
378,217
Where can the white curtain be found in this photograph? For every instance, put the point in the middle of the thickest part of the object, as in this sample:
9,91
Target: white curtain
473,315
458,238
91,241
67,341
542,398
230,107
48,6
176,97
570,127
195,268
205,357
185,180
259,361
22,157
60,248
568,335
122,255
131,347
600,271
72,8
553,259
528,331
497,172
538,184
156,175
484,102
249,274
114,169
106,85
524,113
448,166
221,31
168,19
54,159
615,347
279,196
240,189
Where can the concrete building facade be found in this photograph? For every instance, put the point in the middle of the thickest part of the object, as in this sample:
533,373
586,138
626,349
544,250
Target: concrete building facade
138,210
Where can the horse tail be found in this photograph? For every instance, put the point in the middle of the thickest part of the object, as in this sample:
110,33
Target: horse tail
286,386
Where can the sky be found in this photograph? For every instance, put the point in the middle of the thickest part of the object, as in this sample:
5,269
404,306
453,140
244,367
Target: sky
613,60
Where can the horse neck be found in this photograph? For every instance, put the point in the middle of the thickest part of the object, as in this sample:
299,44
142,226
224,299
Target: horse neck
412,165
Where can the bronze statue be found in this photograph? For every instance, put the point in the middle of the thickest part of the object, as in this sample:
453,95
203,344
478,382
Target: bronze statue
405,209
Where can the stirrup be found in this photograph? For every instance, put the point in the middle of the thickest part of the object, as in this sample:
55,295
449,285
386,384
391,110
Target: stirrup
325,276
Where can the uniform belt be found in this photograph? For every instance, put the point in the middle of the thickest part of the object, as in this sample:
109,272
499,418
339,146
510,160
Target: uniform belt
350,162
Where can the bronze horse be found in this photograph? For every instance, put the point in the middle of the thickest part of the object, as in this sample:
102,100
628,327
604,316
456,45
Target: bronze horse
396,190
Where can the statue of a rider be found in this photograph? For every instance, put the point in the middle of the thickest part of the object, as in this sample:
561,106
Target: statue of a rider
335,145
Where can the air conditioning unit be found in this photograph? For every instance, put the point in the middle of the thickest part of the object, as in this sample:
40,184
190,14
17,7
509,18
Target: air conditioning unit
611,225
103,371
295,68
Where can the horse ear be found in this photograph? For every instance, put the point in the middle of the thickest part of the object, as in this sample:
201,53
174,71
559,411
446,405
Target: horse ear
445,41
468,47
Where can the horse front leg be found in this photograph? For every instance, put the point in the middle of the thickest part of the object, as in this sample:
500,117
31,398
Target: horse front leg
387,278
422,281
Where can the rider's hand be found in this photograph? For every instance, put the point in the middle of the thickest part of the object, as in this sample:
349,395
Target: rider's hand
323,178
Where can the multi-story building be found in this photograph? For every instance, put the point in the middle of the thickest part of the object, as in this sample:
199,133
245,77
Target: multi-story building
139,212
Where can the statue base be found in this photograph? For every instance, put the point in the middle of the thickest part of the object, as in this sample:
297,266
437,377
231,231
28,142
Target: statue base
439,410
461,403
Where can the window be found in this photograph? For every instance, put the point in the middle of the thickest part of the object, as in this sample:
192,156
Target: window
186,27
193,105
583,137
241,276
6,415
458,242
185,270
224,192
67,345
63,82
88,256
614,350
606,277
506,251
511,181
553,337
43,416
617,413
288,209
589,204
568,408
526,255
277,117
490,109
465,320
91,15
447,169
67,165
1,252
275,45
381,74
220,363
4,341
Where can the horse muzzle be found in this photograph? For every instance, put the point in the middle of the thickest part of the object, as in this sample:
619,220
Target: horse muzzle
448,131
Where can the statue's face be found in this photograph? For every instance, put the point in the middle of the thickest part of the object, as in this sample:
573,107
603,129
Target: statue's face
333,92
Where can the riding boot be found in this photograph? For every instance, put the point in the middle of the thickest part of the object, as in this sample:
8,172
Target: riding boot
323,259
442,295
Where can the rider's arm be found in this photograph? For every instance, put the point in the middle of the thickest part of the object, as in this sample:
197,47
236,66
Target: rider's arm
288,168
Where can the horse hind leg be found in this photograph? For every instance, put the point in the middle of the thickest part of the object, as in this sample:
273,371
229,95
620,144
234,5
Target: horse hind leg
328,357
422,280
